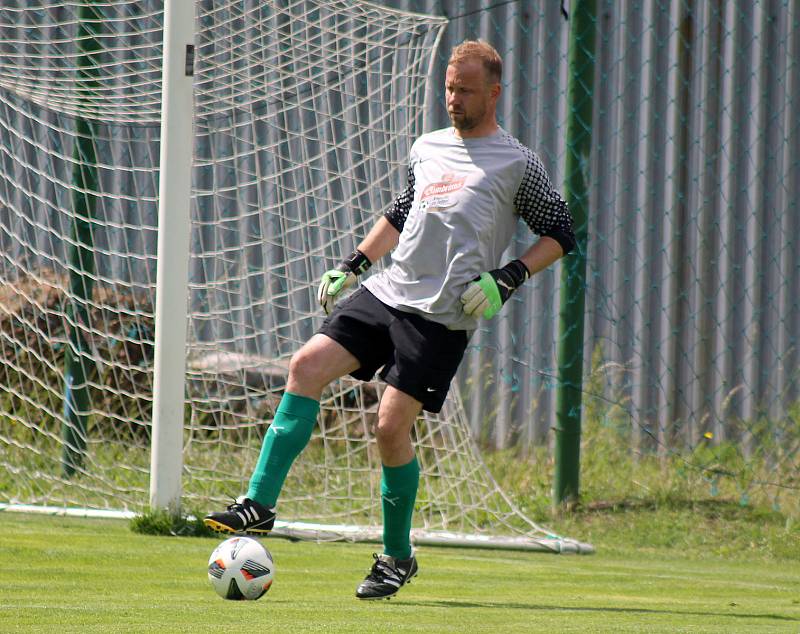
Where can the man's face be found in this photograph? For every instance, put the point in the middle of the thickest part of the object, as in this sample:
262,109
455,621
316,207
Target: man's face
469,95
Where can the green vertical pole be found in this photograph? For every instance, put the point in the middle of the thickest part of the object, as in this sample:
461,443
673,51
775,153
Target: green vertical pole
573,273
78,361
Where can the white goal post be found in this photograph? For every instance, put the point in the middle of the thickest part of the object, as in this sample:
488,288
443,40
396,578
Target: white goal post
174,229
236,150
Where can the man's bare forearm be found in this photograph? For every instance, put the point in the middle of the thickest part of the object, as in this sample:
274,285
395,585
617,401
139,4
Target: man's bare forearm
541,254
381,239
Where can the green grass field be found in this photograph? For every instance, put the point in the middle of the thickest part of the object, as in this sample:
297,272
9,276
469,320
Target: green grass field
79,575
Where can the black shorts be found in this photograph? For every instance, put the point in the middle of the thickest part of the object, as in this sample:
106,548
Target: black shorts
419,357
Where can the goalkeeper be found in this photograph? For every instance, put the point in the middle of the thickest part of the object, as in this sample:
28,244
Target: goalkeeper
468,185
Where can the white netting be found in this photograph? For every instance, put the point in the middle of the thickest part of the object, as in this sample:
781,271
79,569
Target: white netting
304,116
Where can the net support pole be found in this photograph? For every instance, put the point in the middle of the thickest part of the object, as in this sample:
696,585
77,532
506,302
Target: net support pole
78,363
573,273
174,195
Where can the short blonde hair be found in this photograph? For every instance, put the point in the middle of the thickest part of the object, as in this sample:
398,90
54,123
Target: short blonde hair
482,51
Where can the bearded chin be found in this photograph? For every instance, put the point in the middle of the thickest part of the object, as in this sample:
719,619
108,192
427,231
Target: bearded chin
462,122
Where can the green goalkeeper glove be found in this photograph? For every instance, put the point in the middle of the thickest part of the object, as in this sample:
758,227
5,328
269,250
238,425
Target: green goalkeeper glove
337,280
486,294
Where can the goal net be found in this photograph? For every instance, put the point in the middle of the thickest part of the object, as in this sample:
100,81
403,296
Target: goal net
304,113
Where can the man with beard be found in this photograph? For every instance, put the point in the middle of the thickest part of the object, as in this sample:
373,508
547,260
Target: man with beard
468,186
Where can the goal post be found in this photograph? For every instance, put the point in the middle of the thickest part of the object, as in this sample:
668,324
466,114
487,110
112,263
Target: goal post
222,196
174,228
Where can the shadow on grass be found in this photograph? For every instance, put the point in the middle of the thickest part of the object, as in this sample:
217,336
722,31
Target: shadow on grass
531,606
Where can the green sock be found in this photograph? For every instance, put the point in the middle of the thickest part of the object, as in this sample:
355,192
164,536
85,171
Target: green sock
398,494
286,438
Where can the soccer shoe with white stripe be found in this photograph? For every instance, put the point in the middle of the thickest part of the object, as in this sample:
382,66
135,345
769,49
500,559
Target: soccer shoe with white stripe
387,576
243,516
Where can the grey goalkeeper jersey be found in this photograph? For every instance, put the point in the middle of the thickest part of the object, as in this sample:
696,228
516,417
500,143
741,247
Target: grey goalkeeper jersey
457,216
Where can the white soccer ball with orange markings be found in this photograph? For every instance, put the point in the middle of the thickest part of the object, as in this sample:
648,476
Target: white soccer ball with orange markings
241,569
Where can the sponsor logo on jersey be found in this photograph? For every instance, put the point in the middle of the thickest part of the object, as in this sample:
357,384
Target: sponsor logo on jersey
449,184
440,194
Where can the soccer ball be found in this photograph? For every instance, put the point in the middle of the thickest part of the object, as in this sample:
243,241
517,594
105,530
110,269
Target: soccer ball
241,569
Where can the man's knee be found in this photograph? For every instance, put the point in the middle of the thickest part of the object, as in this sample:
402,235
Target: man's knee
306,369
301,364
389,433
317,363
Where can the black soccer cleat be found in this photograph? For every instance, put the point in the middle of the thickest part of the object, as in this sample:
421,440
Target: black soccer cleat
243,516
387,576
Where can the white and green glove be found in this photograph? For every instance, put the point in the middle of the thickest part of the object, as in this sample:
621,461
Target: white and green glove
343,276
486,294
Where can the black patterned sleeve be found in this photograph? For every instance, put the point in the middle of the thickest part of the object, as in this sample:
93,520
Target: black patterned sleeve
398,212
542,207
